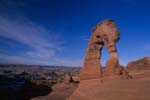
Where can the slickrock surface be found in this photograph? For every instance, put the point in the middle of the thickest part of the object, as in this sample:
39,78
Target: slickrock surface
113,90
60,92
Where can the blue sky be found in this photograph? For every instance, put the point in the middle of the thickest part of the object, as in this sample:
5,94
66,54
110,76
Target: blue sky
56,32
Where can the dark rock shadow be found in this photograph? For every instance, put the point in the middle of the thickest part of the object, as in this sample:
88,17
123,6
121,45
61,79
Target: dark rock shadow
9,90
31,90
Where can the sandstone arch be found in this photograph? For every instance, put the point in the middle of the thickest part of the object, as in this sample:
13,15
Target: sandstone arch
105,33
91,75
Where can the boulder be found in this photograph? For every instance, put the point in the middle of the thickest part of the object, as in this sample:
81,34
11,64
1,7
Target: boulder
68,78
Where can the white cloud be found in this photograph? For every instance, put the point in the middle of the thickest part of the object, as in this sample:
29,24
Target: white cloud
44,43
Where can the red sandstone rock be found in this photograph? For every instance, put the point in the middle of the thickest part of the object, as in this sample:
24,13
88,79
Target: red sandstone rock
141,64
113,90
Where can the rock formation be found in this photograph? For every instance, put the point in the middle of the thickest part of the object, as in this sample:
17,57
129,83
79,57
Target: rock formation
139,69
141,64
68,78
105,33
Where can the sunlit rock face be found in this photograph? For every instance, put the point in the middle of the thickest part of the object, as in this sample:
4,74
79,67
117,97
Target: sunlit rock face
105,33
